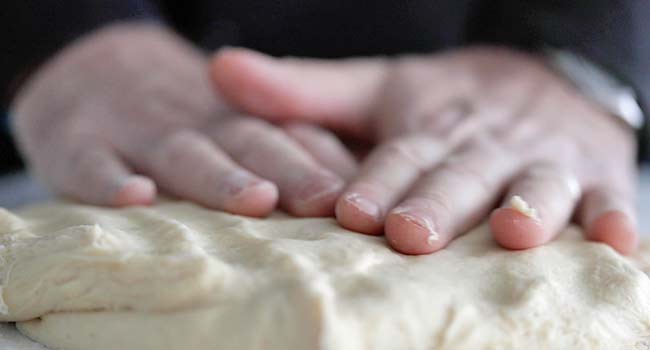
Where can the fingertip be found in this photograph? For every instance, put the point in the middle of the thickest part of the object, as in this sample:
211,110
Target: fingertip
225,54
229,57
225,68
615,229
247,81
410,233
135,190
513,230
257,200
357,213
228,62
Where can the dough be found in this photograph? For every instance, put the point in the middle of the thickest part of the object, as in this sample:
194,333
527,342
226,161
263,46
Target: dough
176,276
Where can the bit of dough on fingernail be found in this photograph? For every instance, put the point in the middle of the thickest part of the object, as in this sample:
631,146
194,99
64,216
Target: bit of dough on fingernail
523,207
433,238
364,204
423,222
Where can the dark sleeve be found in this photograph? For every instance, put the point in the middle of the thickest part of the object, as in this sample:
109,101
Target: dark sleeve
34,30
614,34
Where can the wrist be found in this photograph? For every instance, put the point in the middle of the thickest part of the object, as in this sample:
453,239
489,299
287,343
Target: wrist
598,85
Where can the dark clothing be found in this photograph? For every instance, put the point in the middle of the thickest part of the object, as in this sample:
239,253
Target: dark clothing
615,34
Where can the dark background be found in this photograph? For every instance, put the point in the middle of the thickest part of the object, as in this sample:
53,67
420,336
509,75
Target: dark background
615,34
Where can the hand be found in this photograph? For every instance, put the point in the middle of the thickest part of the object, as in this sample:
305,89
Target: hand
455,133
135,98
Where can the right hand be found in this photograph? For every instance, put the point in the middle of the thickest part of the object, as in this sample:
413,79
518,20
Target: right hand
135,99
453,133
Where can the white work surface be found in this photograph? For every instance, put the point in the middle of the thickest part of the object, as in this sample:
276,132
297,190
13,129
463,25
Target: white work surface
17,190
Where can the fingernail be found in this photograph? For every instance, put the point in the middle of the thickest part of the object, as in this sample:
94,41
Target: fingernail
253,187
364,204
322,186
134,189
520,205
421,221
237,182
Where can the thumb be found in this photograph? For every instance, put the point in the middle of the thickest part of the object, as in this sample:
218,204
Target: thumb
336,94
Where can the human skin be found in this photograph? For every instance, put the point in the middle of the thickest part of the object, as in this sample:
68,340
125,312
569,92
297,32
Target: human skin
130,108
456,136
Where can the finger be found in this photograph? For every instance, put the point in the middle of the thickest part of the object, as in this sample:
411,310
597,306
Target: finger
336,94
608,216
538,205
188,165
96,175
325,147
383,179
450,199
306,187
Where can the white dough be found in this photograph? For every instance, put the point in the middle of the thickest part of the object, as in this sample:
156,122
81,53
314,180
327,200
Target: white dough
176,276
523,207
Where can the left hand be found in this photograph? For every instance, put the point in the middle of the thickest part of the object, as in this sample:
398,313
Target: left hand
130,108
455,133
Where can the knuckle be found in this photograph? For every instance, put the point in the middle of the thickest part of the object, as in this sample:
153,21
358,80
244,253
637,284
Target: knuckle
437,202
308,130
416,152
251,131
178,141
467,173
298,127
400,151
249,126
88,160
253,142
181,146
372,186
547,170
555,175
314,138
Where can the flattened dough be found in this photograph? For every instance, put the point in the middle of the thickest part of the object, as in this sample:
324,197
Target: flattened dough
176,276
